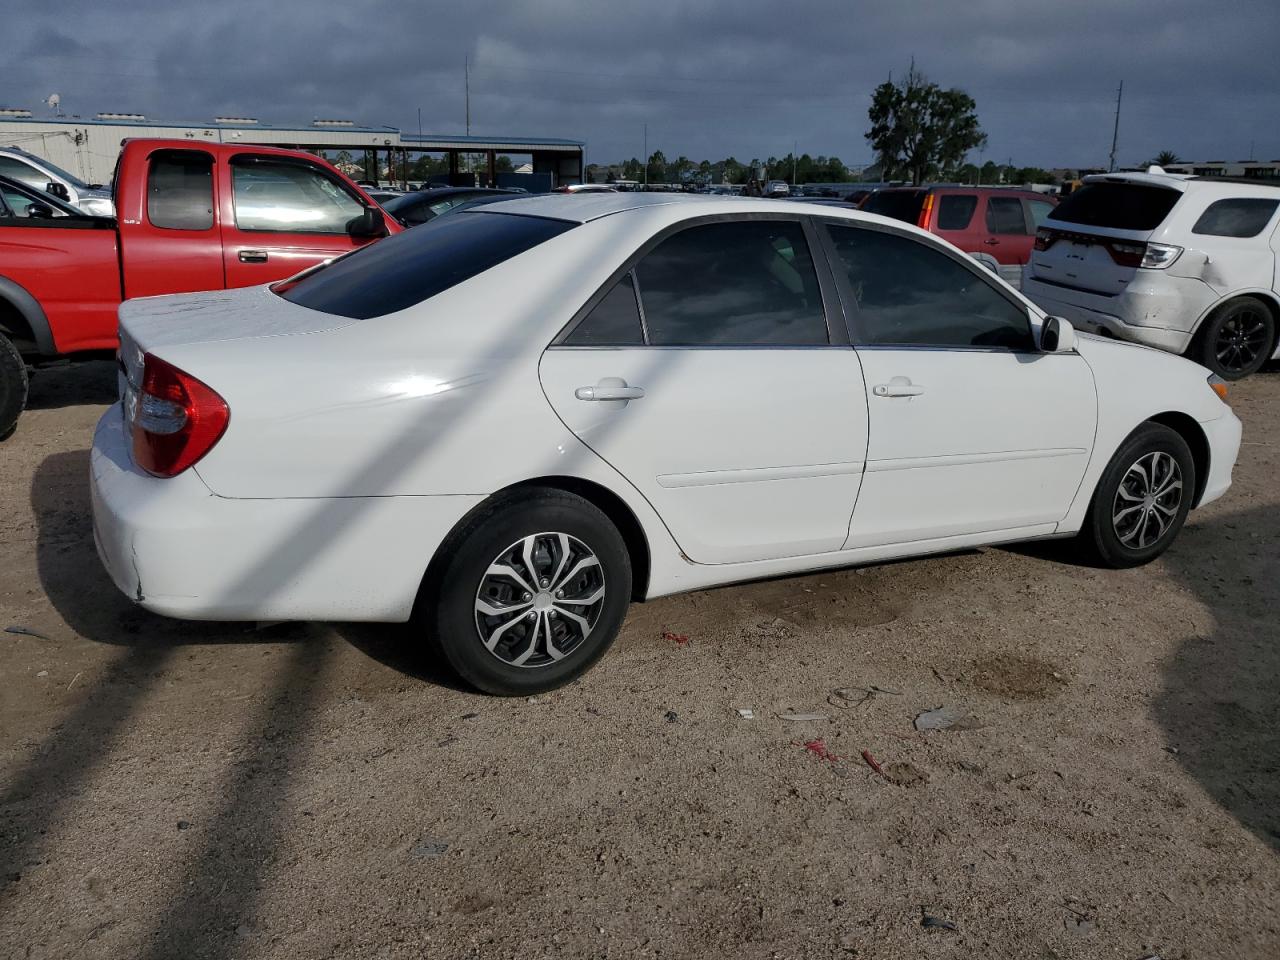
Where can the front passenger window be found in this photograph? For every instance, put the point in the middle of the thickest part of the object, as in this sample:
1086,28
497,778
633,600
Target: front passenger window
910,294
290,197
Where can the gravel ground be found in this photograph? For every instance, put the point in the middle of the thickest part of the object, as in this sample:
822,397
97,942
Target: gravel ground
213,790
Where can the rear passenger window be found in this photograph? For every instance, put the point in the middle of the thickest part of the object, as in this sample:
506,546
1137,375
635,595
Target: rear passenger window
1004,215
910,294
180,190
1238,217
614,321
740,283
1040,209
955,210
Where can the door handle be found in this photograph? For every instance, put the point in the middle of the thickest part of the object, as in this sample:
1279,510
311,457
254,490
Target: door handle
898,387
610,388
253,256
991,242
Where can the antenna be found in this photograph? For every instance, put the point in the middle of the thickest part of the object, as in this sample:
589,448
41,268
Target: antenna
466,66
1115,134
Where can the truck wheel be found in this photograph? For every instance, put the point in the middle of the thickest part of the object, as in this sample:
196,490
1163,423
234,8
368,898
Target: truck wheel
1237,339
13,386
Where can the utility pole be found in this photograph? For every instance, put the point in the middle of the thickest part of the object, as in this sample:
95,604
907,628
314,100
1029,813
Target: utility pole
466,67
795,145
646,154
1115,134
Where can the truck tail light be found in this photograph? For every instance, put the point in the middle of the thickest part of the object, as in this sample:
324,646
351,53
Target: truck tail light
177,419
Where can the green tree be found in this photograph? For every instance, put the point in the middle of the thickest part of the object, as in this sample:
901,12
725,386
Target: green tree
1164,158
657,167
632,169
917,128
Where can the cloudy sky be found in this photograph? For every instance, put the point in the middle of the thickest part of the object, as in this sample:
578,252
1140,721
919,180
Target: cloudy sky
709,78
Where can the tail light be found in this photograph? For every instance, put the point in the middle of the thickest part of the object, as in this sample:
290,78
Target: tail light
176,421
1127,254
1045,238
926,211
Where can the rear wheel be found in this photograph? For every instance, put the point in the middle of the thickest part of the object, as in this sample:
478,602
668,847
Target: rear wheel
13,386
1237,339
1142,499
532,593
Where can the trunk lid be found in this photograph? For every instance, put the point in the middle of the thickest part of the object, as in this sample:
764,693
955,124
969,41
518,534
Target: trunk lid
1094,240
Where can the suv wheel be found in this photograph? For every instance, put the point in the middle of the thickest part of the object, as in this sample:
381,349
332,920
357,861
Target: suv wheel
13,386
1142,499
532,593
1237,339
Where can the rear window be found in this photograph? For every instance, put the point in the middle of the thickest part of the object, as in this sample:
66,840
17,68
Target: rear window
901,205
1119,206
400,271
955,210
1237,217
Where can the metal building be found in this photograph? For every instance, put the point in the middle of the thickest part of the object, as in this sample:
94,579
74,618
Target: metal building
88,147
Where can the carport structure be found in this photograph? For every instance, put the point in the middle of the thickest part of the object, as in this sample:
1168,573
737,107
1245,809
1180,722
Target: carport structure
556,162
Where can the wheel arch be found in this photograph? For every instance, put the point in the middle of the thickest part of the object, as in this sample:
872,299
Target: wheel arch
23,320
1268,297
604,499
1190,431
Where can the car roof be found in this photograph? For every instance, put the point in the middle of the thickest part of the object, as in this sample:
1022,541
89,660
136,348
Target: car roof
585,207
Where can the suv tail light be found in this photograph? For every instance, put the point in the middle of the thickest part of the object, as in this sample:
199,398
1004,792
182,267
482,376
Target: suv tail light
1045,238
926,211
177,419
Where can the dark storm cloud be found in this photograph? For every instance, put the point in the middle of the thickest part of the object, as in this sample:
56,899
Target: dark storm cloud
745,77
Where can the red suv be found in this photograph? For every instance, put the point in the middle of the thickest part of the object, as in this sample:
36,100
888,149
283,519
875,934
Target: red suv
996,225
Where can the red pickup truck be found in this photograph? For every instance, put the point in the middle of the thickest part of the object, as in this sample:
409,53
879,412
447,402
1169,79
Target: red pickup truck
189,216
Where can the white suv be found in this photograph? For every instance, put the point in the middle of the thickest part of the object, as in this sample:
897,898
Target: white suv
91,198
1186,264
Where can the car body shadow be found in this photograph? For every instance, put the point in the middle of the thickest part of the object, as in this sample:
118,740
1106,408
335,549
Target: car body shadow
73,384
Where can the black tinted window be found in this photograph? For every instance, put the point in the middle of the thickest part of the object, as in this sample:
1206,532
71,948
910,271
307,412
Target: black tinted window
740,283
614,321
1121,206
909,293
180,190
901,205
1004,215
955,210
1239,217
413,266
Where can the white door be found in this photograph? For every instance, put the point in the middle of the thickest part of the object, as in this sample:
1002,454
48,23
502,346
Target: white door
972,429
707,378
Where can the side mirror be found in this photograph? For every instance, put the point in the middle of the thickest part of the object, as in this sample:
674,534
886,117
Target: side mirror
1057,336
58,190
39,211
371,223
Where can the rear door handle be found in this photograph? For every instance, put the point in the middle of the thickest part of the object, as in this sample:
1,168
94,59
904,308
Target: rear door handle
609,393
253,256
991,242
898,387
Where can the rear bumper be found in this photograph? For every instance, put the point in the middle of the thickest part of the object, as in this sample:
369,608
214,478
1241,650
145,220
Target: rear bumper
1223,435
179,550
1159,311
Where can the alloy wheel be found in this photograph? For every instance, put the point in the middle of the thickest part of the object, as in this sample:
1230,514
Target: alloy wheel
539,600
1241,338
1147,501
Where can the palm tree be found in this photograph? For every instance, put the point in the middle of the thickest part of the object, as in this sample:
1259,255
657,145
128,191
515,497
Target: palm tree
1165,158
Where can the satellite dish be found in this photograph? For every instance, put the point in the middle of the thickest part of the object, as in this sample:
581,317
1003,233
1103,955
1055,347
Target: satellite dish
54,101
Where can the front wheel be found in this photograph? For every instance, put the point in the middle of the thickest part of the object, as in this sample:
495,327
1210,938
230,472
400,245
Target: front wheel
1237,339
532,593
13,386
1142,499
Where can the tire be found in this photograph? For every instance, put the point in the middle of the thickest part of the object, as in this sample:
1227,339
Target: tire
547,521
1126,528
1237,338
13,386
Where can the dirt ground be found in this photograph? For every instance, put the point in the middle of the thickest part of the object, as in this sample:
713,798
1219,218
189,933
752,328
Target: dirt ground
176,790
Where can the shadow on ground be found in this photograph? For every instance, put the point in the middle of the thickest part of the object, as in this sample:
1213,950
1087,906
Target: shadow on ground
71,384
1219,707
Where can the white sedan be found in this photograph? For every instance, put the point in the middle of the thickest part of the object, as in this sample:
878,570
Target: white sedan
510,423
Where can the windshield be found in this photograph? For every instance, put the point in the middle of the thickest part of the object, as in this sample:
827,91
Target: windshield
901,205
71,178
414,266
1117,205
